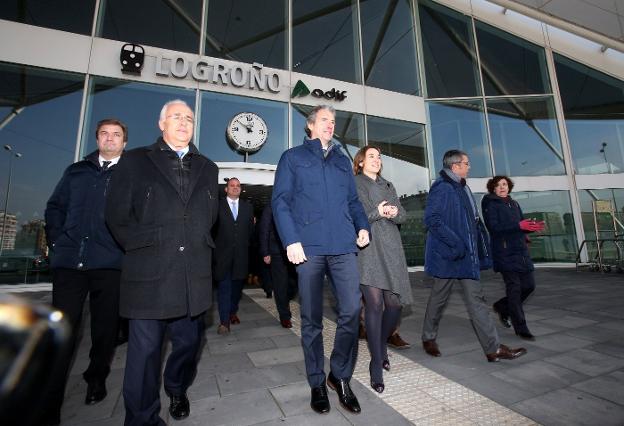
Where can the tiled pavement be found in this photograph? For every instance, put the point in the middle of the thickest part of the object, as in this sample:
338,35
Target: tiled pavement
572,375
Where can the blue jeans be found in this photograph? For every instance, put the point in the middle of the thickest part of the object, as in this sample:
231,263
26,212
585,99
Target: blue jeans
344,280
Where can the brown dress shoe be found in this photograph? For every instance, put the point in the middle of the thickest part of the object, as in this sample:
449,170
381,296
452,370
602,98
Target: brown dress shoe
431,347
234,319
223,329
362,332
286,323
396,342
505,352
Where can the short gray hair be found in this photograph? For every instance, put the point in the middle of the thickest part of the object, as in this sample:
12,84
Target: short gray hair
451,157
163,111
311,119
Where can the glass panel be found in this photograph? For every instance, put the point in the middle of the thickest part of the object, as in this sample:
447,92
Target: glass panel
248,31
449,52
525,138
460,125
138,105
557,243
593,106
172,25
389,45
605,221
324,37
404,164
510,65
348,133
41,110
51,14
216,112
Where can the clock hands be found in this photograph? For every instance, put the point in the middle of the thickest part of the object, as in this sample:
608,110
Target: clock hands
247,126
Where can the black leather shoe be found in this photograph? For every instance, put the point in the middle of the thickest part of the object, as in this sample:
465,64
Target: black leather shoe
386,365
180,408
319,400
377,387
504,319
96,391
526,335
345,394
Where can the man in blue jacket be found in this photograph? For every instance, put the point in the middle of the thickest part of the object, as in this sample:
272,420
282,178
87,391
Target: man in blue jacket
321,223
85,259
457,249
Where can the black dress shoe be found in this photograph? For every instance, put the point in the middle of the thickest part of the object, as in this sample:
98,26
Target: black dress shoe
96,391
377,387
319,400
345,394
180,408
526,335
386,365
504,319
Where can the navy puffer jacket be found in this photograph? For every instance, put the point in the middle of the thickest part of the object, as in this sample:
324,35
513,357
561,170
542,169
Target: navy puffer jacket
509,248
75,227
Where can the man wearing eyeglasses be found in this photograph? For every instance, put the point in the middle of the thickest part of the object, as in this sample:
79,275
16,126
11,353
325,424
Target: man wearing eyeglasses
161,209
86,260
457,249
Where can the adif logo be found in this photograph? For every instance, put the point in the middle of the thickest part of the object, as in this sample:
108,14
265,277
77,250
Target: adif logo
301,90
131,58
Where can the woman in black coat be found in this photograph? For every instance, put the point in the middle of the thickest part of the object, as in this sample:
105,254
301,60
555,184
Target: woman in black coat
508,228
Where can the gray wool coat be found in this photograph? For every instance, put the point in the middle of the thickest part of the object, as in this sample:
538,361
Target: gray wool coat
382,263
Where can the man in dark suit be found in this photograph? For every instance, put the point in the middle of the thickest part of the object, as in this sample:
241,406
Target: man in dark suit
234,231
86,260
321,222
161,209
274,255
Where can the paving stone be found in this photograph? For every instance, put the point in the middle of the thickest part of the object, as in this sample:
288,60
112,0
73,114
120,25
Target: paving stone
613,348
287,340
258,378
610,387
568,321
496,389
567,407
224,363
267,331
276,356
238,346
561,342
334,417
539,377
587,362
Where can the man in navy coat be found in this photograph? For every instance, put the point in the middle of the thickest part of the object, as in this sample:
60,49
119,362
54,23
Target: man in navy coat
457,249
321,223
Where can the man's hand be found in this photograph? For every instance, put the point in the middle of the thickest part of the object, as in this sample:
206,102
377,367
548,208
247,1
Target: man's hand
362,239
295,253
267,259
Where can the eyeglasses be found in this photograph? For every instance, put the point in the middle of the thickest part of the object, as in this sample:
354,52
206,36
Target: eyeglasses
179,117
466,163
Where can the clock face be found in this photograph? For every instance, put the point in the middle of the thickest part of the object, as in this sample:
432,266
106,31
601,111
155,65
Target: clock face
247,132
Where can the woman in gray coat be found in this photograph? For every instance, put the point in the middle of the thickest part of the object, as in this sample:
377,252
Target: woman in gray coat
383,270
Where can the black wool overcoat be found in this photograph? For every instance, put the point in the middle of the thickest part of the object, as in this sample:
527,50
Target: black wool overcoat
232,239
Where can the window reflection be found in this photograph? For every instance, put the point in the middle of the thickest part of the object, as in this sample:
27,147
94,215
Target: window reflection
449,52
525,138
51,14
138,105
404,164
459,125
216,112
604,220
509,64
348,132
557,243
171,24
324,38
389,45
41,110
593,106
248,31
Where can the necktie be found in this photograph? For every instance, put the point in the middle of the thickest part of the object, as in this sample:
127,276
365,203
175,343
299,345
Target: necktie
105,164
180,154
234,210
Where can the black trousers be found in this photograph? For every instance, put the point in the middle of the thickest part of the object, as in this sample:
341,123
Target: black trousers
281,274
518,286
70,288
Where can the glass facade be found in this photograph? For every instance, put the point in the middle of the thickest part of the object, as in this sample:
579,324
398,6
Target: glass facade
604,221
40,111
593,106
485,91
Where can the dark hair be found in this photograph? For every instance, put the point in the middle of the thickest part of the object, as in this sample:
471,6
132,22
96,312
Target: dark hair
231,178
451,157
114,122
311,118
360,156
491,184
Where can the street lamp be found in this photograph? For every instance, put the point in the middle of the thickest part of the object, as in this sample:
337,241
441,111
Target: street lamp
8,191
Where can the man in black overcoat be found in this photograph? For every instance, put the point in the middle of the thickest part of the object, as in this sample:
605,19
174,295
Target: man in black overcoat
161,209
233,234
